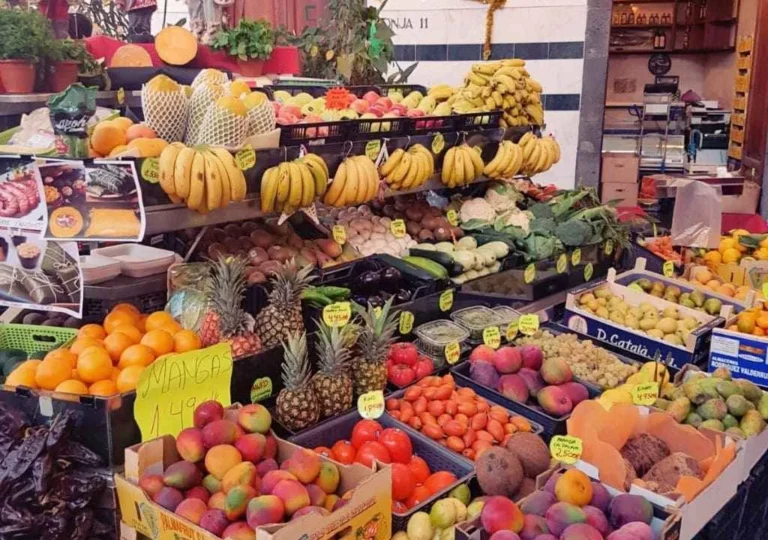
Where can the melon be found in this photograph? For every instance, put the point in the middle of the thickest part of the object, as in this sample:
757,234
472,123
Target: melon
175,45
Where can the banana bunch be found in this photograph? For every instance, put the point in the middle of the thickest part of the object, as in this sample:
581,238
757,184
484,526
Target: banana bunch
408,170
290,186
506,163
356,182
441,92
461,165
204,178
538,154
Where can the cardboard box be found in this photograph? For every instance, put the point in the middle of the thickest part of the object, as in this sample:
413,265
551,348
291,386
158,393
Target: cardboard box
626,193
745,355
369,509
745,203
753,274
620,168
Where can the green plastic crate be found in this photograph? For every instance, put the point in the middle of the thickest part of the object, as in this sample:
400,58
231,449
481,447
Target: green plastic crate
31,339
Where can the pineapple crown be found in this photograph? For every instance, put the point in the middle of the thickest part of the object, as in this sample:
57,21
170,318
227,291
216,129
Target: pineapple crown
288,284
225,291
377,331
296,372
334,347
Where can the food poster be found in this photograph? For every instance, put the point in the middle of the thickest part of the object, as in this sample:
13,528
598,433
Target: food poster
99,201
21,202
36,273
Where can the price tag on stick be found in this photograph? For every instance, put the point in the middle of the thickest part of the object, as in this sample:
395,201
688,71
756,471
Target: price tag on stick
245,158
406,322
339,234
528,324
337,314
372,149
669,269
530,273
261,389
512,330
492,337
576,257
452,352
398,228
446,300
371,404
566,448
645,393
562,263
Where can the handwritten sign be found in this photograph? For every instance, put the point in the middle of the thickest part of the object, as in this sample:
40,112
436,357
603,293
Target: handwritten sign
452,352
528,324
337,314
372,149
150,170
398,228
512,330
608,247
172,387
492,337
245,158
576,257
565,448
339,234
452,217
406,322
530,273
588,272
261,389
562,263
371,404
446,300
645,393
438,143
669,269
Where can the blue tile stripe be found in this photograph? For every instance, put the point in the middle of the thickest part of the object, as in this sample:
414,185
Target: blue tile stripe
472,52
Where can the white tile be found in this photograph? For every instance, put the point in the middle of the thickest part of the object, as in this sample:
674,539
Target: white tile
558,76
564,126
539,24
437,5
422,27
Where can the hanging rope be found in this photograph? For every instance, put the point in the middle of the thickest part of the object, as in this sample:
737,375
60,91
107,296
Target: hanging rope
493,5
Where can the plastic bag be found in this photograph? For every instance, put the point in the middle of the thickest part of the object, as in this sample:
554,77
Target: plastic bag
698,215
70,112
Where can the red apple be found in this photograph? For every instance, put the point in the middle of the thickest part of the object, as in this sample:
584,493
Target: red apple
276,106
292,109
350,99
385,101
360,106
371,97
376,110
402,109
414,113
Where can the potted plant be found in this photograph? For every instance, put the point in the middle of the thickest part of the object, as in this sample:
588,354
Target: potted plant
26,37
67,58
250,41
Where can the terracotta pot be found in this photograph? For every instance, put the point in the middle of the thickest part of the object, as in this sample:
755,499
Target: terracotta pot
17,76
63,74
250,68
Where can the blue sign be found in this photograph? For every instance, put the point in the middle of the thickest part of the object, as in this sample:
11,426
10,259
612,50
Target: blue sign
746,356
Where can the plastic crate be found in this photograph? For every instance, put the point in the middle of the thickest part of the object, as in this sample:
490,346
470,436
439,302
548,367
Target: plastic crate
32,338
314,90
404,89
475,121
325,132
422,125
437,457
96,310
374,128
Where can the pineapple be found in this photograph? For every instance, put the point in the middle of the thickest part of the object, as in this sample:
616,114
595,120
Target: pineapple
297,406
281,317
332,384
369,371
225,320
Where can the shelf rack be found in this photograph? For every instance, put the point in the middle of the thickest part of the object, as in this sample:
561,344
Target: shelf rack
741,97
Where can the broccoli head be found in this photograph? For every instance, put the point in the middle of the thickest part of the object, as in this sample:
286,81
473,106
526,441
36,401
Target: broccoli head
573,233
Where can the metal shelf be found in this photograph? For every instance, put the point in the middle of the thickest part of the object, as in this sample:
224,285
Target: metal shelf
176,217
126,287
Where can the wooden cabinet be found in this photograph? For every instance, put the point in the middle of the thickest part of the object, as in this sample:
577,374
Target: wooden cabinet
755,132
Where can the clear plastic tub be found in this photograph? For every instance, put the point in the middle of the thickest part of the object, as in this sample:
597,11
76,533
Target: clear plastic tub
137,260
435,335
506,315
476,319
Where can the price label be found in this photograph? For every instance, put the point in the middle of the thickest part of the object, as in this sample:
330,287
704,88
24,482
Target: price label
669,269
339,234
438,143
635,287
337,314
172,387
588,271
530,273
452,217
512,330
566,448
372,149
397,227
576,257
645,393
528,324
371,404
562,263
446,300
150,170
120,96
245,158
261,389
492,337
608,247
452,352
406,322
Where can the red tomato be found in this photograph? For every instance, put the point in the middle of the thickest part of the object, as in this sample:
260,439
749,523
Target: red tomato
419,468
439,481
424,367
404,353
398,443
372,450
343,452
399,507
402,482
365,431
419,495
324,451
401,375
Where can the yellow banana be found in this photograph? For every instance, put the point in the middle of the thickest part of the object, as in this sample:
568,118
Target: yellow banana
508,156
226,196
459,167
448,163
307,185
528,150
351,185
284,183
237,184
410,178
469,166
394,159
525,139
212,182
491,168
319,161
533,159
488,68
480,80
398,175
362,178
337,185
196,182
166,166
295,186
269,182
514,62
182,169
318,173
477,162
508,71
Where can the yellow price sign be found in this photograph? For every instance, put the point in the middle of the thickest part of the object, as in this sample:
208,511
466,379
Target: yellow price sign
530,273
398,228
438,143
261,389
339,234
452,217
371,404
245,158
645,393
608,247
492,337
588,271
528,324
372,149
446,300
512,330
406,322
120,96
576,257
337,314
562,263
150,170
566,448
172,387
669,269
452,352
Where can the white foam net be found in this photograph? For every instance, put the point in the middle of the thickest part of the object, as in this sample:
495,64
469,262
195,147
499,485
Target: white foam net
166,112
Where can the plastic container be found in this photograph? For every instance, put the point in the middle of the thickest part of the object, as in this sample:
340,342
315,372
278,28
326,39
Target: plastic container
433,342
137,260
506,315
466,319
98,268
32,339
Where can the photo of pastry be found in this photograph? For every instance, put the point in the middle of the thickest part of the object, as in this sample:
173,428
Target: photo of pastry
21,202
101,201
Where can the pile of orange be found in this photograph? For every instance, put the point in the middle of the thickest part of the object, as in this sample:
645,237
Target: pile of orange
107,359
752,321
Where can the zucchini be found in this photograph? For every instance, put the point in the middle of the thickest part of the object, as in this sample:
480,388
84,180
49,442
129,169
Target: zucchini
406,269
435,269
442,258
315,298
334,293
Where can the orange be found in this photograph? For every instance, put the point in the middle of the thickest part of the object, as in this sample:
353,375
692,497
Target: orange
82,343
95,331
115,372
116,343
94,364
731,255
762,321
141,323
130,331
30,365
186,340
103,389
75,375
72,386
122,122
746,325
758,331
64,355
125,306
157,320
160,341
136,355
172,328
128,378
118,318
51,373
22,377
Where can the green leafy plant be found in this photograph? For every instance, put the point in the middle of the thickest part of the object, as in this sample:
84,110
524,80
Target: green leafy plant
26,35
248,40
69,49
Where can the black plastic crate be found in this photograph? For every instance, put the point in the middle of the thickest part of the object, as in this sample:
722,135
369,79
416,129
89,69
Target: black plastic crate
433,124
404,89
475,121
321,132
314,90
374,128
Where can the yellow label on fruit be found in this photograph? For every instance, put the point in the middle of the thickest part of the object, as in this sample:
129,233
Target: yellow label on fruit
446,300
372,149
669,269
172,387
438,143
512,330
588,271
492,337
452,217
565,448
120,96
528,324
608,247
245,158
406,322
150,170
371,404
337,314
339,234
645,393
635,287
397,227
562,263
452,352
530,273
576,257
261,389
